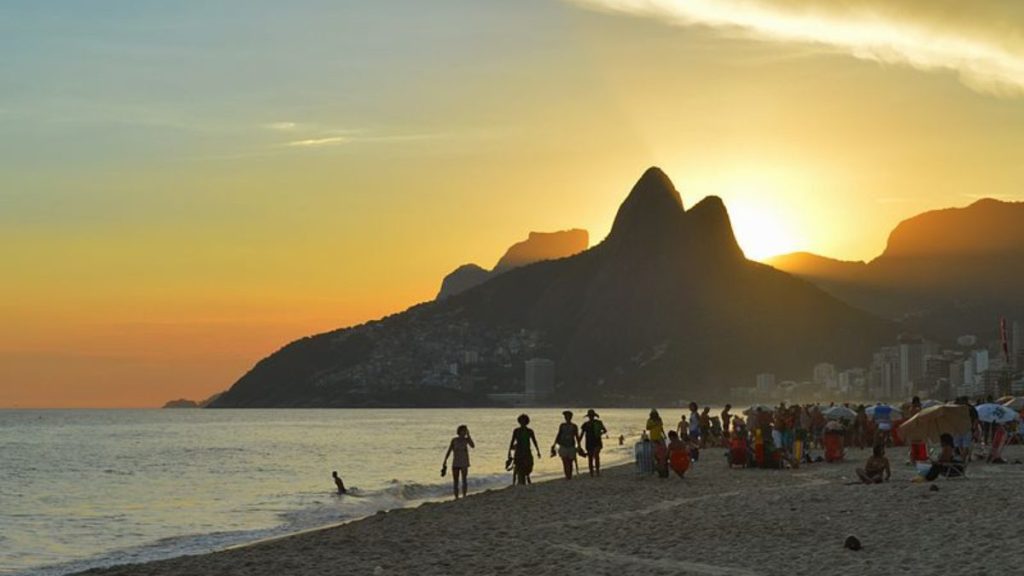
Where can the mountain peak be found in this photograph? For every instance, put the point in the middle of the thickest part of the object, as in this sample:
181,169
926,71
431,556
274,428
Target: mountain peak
653,207
712,228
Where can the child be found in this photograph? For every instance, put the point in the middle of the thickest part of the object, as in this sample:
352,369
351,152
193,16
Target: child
460,445
678,454
876,470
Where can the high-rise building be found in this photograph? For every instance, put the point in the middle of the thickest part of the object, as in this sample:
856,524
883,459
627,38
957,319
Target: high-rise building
825,375
1017,346
911,363
540,379
765,383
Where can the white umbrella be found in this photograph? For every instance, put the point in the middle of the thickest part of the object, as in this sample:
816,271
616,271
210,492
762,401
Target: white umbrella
996,413
839,413
883,411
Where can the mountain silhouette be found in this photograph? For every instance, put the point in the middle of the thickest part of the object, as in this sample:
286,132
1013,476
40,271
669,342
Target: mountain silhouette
665,308
943,273
538,246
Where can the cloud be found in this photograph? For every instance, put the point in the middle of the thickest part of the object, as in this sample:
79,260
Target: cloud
281,126
981,41
316,142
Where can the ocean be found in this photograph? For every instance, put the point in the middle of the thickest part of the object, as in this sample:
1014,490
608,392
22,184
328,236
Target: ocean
87,488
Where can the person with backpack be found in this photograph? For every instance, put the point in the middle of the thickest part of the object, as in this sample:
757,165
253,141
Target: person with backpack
593,430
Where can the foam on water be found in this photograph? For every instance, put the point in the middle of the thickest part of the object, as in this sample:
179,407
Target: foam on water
83,489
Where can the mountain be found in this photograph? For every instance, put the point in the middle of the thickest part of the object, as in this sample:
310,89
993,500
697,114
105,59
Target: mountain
537,247
666,307
943,273
186,403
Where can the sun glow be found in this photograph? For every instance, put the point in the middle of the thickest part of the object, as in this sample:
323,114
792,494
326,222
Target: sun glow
762,219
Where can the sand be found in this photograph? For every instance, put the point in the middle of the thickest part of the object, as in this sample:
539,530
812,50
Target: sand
716,522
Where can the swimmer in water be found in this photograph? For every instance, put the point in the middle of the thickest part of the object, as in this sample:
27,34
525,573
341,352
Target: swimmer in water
339,483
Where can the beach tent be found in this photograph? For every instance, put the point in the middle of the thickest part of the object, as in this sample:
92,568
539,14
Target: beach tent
929,424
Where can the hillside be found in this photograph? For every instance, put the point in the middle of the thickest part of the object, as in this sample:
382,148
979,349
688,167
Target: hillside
666,307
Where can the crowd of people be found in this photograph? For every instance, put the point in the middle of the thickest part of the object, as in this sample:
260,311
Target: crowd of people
762,436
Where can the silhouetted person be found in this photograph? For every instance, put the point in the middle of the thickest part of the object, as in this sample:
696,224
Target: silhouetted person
566,441
519,451
458,448
593,430
339,483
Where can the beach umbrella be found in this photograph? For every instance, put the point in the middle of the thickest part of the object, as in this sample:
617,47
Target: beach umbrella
1014,403
883,412
930,423
996,413
839,413
929,403
763,408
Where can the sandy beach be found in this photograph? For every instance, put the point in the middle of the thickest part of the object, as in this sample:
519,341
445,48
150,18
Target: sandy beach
717,522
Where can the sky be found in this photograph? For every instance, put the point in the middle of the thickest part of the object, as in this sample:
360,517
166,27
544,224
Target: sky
185,187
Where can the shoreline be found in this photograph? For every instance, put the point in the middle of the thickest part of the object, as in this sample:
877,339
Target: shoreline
715,521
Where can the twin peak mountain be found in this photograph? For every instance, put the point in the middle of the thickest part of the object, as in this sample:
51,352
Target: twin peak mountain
666,307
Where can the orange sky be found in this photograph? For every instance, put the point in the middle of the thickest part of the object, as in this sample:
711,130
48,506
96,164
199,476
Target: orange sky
182,199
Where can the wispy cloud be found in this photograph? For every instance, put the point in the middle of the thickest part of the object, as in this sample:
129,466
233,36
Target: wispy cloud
282,126
317,142
986,54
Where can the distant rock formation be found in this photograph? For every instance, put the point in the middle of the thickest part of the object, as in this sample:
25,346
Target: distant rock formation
665,308
943,273
539,246
186,403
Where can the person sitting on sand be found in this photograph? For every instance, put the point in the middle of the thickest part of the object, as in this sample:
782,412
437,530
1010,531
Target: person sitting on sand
876,470
566,441
339,483
519,451
678,454
592,430
460,446
945,464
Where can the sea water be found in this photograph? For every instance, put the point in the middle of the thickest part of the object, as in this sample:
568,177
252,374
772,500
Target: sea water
87,488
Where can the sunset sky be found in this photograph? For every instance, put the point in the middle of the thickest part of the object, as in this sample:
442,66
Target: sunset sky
187,186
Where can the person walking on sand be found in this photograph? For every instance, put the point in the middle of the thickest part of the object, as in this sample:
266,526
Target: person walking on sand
519,451
566,441
593,430
459,446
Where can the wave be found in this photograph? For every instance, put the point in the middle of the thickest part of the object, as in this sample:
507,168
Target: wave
319,510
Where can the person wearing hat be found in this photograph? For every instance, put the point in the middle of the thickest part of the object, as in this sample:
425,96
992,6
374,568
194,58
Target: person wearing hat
566,441
593,430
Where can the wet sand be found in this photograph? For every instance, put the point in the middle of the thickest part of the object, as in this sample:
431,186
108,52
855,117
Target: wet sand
715,522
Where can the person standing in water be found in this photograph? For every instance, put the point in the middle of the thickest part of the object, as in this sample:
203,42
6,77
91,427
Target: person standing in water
593,429
566,441
519,451
337,482
459,446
